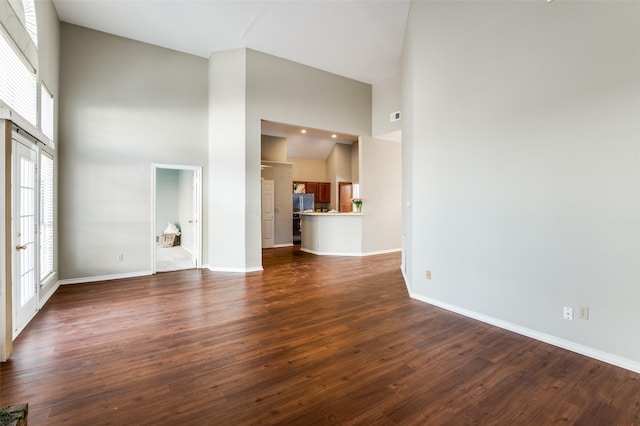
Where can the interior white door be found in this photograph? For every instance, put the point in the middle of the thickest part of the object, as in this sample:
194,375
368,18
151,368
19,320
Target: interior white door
196,219
268,208
25,300
190,220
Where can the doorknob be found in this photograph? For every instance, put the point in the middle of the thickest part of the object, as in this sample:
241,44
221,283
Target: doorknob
19,247
190,221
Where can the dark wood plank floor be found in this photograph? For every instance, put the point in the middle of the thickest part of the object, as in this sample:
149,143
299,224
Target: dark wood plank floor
309,341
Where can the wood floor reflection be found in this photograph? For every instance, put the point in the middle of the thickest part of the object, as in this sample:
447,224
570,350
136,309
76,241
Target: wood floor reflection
311,340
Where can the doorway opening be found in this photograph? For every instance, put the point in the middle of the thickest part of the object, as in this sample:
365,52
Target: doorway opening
302,161
177,210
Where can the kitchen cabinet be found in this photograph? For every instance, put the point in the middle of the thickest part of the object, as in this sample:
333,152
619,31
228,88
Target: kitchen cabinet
320,190
324,192
312,188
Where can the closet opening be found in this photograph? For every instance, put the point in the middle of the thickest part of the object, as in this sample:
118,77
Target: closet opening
177,212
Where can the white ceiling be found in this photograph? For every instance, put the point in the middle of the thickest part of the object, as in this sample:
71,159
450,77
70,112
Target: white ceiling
359,39
313,143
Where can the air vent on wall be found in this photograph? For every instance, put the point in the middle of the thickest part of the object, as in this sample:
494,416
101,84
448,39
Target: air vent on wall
395,116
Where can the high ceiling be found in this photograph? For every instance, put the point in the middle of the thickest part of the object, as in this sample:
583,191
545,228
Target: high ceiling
359,39
306,142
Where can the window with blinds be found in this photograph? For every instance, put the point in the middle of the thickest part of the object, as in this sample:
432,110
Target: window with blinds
26,13
18,83
46,112
46,216
30,23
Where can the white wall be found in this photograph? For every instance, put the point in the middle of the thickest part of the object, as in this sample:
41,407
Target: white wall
386,100
287,92
355,162
380,188
227,159
273,148
277,90
309,169
125,105
330,166
522,123
49,51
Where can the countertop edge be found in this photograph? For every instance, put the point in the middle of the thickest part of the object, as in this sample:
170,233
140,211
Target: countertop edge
327,214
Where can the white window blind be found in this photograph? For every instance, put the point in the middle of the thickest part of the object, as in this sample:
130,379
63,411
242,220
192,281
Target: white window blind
18,83
46,112
26,12
46,215
30,23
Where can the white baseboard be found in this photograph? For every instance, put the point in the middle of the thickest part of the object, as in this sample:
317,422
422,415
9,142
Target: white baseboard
104,278
322,253
239,270
408,284
369,253
282,245
537,335
52,289
373,253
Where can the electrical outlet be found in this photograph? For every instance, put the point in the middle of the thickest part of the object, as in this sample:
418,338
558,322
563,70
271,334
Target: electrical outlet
428,274
583,312
121,258
567,313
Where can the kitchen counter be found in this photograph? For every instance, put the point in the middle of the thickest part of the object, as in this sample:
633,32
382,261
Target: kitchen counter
330,214
335,234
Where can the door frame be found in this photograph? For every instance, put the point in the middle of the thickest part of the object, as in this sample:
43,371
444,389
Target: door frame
197,170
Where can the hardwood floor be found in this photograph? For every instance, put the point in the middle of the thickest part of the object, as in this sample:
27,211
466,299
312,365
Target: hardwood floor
309,341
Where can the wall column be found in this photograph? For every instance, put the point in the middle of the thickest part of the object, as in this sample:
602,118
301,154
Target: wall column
227,162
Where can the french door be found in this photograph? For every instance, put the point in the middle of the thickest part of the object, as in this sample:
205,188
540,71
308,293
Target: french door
25,297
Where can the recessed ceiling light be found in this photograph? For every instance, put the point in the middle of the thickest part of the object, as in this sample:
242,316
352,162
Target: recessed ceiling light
334,136
303,131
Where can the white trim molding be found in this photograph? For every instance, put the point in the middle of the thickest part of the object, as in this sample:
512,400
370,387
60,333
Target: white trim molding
537,335
370,253
104,278
239,270
50,291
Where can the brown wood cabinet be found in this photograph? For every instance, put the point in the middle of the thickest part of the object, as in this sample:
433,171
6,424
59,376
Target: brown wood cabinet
320,190
312,188
324,192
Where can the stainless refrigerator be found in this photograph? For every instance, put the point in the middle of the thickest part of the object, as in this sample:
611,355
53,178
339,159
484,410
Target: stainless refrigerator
301,203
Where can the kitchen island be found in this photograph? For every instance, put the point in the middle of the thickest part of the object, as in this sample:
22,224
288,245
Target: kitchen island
335,234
